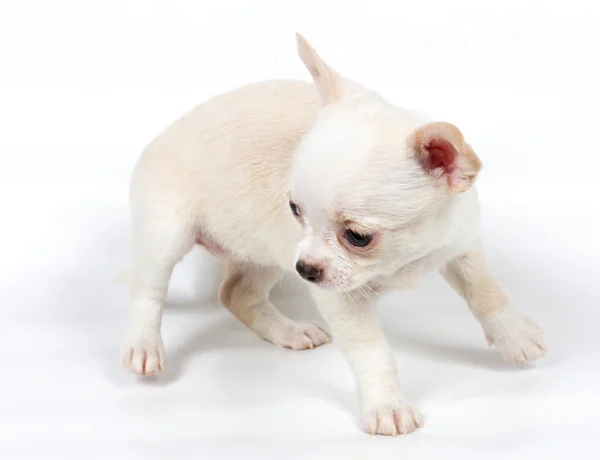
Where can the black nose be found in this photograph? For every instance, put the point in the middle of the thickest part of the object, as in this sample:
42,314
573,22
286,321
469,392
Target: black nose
308,272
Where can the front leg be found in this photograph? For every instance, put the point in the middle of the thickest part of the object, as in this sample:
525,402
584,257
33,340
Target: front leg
516,336
355,327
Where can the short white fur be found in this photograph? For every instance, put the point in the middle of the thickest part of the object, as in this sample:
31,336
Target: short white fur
223,174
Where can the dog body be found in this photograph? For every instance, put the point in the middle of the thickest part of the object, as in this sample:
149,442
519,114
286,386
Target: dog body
225,169
331,181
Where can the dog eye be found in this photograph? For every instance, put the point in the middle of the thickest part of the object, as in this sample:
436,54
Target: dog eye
356,239
295,209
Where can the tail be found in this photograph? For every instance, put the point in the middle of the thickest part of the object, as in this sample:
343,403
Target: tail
123,277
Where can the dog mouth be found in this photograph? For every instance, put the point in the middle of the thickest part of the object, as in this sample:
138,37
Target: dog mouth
326,277
323,282
337,284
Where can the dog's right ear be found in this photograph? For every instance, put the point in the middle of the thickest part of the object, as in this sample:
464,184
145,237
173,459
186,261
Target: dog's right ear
331,85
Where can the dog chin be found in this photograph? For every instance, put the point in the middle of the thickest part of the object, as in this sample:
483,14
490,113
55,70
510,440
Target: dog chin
339,287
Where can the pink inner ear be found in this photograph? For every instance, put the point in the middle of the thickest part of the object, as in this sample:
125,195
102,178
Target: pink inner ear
441,154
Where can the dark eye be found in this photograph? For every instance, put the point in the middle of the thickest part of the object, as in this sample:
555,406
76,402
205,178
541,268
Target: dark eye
356,239
295,209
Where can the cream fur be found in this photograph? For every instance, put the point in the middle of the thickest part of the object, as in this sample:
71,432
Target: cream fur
223,175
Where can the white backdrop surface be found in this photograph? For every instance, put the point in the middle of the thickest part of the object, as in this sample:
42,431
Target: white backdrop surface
85,85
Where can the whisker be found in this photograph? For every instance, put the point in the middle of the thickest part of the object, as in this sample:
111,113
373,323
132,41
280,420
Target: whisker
414,267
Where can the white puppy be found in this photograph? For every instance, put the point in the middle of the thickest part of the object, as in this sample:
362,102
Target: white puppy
333,182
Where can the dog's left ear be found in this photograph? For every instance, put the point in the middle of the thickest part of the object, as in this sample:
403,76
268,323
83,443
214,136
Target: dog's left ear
331,85
442,150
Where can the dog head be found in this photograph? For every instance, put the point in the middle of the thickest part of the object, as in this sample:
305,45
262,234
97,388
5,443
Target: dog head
369,182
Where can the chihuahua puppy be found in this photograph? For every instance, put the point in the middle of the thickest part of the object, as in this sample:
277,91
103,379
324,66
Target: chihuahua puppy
332,182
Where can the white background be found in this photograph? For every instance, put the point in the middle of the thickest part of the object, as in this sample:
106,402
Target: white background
85,85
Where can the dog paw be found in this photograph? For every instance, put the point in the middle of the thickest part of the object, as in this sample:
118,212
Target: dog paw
299,336
144,356
391,419
517,337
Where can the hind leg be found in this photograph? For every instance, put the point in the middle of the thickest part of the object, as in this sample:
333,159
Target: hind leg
245,292
160,240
